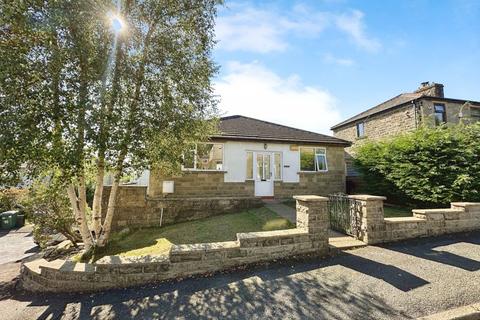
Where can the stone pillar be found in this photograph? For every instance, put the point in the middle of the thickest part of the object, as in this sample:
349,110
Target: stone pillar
312,215
372,229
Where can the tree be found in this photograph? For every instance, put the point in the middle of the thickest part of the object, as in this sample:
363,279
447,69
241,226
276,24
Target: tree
430,165
118,88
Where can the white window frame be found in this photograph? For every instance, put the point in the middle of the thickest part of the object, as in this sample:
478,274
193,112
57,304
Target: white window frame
315,159
195,159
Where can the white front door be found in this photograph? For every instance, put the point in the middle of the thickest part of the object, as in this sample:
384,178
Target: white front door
263,174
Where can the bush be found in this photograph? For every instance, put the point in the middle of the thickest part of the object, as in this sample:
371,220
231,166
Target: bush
12,198
430,165
50,211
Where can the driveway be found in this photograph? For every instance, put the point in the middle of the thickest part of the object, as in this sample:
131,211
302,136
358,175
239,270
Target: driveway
398,281
15,245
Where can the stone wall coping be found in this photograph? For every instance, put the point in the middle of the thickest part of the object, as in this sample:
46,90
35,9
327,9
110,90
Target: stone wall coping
271,234
465,204
310,198
203,247
168,198
119,260
427,211
403,220
67,266
366,197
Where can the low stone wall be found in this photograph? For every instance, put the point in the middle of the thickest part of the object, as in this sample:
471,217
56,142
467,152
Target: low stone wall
310,237
375,228
136,210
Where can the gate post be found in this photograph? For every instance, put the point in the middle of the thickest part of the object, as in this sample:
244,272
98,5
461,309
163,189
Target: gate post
372,219
312,215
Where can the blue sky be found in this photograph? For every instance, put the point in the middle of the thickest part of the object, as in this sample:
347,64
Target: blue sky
311,64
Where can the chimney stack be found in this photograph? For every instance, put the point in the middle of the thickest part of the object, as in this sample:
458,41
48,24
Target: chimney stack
431,89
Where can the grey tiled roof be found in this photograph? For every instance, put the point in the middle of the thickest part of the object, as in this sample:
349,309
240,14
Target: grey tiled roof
395,101
244,128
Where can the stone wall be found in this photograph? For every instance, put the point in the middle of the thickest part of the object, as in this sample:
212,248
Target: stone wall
136,210
379,126
200,184
461,217
310,237
452,109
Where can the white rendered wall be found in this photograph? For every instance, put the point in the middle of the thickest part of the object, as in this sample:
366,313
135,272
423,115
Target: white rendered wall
235,160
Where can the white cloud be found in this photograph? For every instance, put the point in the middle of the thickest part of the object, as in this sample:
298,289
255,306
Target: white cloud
255,91
248,28
259,30
353,24
329,58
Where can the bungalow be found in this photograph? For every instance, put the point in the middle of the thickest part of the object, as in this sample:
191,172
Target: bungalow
246,161
255,158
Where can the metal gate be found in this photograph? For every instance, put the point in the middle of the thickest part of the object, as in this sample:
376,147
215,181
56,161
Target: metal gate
344,214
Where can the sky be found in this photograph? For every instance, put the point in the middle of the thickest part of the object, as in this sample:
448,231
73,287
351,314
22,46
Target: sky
312,64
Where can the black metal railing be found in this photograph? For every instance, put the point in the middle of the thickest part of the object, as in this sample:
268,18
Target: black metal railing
344,214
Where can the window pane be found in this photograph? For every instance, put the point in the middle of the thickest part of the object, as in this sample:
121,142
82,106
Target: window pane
188,159
360,129
307,159
209,156
278,165
439,108
319,151
267,162
249,165
259,167
321,162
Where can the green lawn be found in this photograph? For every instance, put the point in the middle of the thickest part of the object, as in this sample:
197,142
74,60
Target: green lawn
392,212
213,229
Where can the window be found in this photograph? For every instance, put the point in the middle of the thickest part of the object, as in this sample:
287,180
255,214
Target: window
360,129
277,163
249,165
313,159
440,114
204,156
475,114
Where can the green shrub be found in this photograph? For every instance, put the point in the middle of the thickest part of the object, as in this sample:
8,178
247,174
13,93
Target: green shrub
12,198
50,210
430,165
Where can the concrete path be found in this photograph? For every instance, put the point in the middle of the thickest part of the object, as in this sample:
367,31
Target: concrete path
399,281
282,210
16,244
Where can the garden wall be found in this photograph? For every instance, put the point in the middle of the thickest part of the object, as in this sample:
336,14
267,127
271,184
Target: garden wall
375,228
134,209
310,237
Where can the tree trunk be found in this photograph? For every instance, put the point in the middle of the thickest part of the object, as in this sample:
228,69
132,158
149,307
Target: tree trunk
107,225
112,202
97,198
80,217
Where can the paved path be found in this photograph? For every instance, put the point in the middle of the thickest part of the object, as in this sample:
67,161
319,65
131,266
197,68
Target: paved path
282,210
397,281
16,244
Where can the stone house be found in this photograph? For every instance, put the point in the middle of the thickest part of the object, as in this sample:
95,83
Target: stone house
247,160
425,106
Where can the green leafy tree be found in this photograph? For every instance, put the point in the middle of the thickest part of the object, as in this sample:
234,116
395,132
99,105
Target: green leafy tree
431,165
117,87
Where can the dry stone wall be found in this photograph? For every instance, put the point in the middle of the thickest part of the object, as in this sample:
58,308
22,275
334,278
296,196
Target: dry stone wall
310,237
136,210
374,228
